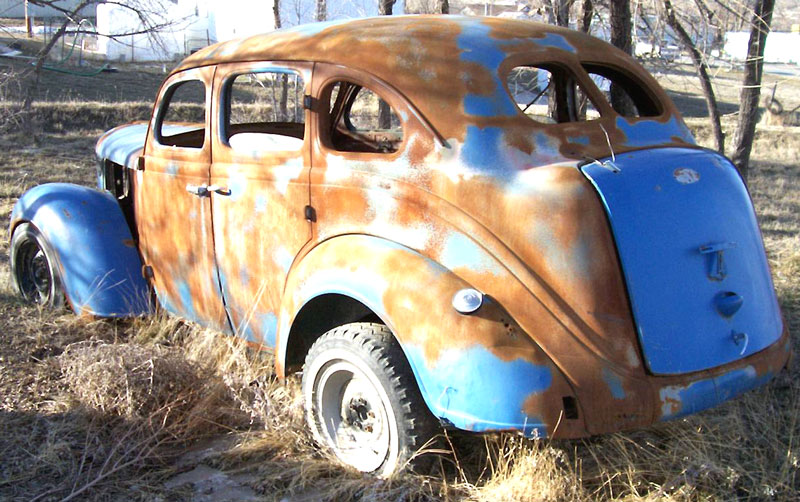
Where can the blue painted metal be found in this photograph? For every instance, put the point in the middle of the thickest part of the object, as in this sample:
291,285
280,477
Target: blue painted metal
99,263
644,132
680,401
474,390
123,144
663,219
728,303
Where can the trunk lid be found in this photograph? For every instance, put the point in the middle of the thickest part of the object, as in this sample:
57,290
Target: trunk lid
692,256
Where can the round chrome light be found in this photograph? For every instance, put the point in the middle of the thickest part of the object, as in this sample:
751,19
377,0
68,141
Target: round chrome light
467,301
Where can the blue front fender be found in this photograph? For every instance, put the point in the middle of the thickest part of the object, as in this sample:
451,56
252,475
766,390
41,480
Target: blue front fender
100,267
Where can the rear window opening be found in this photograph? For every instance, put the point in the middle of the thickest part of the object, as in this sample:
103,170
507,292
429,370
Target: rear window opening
547,94
626,96
361,121
550,93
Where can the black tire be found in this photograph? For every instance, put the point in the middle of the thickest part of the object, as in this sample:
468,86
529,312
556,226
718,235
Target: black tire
362,401
34,269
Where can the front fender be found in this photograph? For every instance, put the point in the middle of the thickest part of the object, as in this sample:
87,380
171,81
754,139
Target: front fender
478,372
97,257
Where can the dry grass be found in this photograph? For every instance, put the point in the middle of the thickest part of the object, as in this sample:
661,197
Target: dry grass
99,410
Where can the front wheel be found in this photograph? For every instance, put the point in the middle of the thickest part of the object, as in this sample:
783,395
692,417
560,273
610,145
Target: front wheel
34,272
362,400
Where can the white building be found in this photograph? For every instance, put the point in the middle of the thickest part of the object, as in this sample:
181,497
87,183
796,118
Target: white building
186,26
15,9
781,47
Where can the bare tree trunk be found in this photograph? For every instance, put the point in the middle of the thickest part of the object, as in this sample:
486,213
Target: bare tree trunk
32,87
558,14
443,6
588,13
321,13
276,13
385,7
620,13
751,89
702,73
28,23
384,112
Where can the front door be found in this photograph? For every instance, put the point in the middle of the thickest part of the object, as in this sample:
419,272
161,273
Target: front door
259,178
173,211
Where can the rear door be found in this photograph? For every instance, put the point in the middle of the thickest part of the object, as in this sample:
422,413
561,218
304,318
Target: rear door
259,187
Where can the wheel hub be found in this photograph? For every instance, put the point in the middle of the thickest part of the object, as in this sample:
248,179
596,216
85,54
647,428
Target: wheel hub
34,275
353,416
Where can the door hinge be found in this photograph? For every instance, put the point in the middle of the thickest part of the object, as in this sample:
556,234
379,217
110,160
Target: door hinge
308,102
147,272
140,163
311,214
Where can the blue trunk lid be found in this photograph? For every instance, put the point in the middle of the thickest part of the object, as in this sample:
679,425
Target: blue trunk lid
692,256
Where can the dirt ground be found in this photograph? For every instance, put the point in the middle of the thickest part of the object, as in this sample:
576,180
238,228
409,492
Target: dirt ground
84,414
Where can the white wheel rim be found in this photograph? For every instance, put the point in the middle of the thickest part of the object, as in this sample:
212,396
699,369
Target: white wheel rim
353,414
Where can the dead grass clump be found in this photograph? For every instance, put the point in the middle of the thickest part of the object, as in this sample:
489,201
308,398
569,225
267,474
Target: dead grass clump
743,450
523,470
137,382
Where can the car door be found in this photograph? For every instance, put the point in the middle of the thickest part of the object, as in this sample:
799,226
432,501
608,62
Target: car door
173,212
259,177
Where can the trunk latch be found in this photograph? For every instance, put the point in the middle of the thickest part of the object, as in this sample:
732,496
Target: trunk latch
717,270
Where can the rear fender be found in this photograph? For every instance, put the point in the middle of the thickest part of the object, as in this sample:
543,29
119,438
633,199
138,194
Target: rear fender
97,257
477,372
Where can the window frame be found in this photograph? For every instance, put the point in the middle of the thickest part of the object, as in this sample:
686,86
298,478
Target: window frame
344,103
644,90
226,90
165,99
575,67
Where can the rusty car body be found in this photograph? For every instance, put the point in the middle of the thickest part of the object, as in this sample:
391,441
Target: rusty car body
564,270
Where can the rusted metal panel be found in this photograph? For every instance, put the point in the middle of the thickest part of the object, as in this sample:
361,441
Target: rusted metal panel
479,372
259,222
467,191
174,225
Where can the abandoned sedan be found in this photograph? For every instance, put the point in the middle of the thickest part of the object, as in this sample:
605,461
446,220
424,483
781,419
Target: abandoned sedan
487,224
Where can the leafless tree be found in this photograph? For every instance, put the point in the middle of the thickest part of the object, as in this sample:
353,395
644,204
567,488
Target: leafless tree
276,14
702,72
621,28
149,13
558,11
321,12
751,90
587,12
384,113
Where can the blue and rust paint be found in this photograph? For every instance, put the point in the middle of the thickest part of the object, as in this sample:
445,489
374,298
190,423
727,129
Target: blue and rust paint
477,195
99,265
473,389
681,400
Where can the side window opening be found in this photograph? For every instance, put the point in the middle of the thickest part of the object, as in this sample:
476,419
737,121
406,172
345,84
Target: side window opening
264,111
361,121
627,97
549,94
182,120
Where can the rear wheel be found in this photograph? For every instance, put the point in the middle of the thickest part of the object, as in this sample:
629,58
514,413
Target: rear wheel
362,401
33,268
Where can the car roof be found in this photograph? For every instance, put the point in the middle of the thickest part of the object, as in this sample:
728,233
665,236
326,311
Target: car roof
383,45
450,67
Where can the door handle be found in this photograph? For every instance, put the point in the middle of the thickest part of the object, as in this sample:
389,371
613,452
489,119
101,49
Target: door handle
199,190
219,189
205,190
